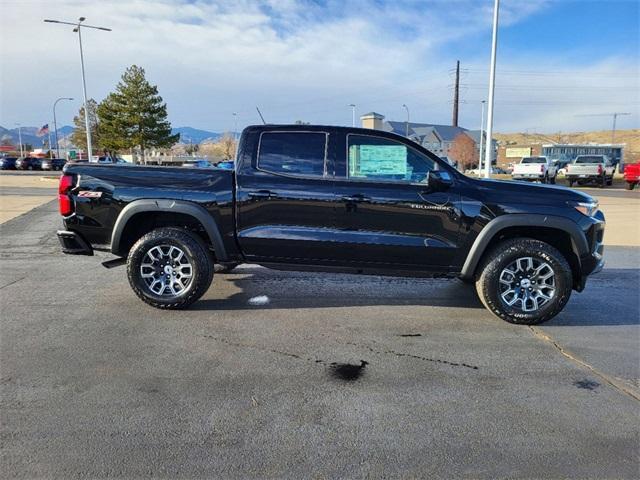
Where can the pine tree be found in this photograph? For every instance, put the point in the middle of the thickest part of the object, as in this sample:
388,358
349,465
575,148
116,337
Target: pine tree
79,135
134,116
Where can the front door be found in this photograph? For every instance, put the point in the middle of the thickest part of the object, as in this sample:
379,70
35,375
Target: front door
286,202
388,212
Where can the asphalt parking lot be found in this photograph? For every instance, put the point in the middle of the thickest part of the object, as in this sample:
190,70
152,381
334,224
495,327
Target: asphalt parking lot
298,375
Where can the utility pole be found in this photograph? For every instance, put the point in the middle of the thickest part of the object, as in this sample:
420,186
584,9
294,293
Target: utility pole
353,114
615,116
456,92
78,27
492,84
481,138
20,139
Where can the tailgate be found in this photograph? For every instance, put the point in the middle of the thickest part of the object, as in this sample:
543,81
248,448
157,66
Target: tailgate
528,169
583,169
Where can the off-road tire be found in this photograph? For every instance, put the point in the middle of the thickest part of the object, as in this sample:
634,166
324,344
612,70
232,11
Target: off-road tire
197,253
491,266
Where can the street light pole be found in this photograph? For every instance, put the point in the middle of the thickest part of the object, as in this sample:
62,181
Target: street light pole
78,29
353,114
492,84
481,138
406,129
55,123
235,126
20,139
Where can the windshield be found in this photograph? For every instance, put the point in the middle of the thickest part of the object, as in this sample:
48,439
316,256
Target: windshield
590,159
534,160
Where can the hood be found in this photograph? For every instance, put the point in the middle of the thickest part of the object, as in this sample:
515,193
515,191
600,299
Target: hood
530,192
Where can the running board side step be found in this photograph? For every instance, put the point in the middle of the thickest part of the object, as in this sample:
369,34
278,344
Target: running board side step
116,262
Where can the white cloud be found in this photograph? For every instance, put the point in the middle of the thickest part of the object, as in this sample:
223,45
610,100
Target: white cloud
297,60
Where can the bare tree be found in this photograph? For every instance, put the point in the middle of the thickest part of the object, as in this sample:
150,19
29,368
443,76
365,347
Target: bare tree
463,150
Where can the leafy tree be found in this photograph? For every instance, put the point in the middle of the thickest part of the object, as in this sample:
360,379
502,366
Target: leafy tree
79,135
134,116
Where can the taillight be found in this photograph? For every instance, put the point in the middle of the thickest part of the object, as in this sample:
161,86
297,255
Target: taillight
599,169
64,200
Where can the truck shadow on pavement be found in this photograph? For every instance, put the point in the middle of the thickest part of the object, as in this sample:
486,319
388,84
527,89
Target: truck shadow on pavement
610,298
260,288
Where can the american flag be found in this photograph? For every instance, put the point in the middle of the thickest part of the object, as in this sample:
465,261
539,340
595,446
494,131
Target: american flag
43,131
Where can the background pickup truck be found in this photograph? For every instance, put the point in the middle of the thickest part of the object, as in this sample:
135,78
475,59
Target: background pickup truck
535,168
334,199
585,169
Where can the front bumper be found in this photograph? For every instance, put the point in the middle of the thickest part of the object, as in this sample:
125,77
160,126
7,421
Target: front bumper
593,261
73,244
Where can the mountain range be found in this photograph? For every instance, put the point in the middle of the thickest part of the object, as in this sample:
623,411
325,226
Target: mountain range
187,135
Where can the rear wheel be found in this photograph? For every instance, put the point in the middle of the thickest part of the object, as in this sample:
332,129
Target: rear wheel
629,185
602,181
553,180
524,281
169,268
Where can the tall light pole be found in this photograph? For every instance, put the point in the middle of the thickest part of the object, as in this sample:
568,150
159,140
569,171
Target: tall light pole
492,84
406,129
78,29
481,138
235,126
353,114
55,123
20,139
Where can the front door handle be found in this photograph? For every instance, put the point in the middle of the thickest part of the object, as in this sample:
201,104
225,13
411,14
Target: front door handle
262,194
357,198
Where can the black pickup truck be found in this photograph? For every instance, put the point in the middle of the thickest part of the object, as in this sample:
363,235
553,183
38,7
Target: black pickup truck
334,199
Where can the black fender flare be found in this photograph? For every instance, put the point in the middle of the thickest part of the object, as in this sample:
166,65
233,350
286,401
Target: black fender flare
172,206
579,243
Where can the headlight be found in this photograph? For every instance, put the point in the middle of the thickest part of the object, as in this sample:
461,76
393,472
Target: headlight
586,208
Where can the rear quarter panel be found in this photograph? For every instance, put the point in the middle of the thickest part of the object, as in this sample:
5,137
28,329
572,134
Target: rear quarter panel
119,185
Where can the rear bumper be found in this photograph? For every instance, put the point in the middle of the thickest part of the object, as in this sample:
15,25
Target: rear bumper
73,244
525,176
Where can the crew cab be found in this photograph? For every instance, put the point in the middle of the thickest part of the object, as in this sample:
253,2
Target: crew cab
631,175
535,168
585,169
334,199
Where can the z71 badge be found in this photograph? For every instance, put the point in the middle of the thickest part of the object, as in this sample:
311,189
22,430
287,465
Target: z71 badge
89,194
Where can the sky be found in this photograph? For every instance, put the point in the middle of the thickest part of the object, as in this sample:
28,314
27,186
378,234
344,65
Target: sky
561,65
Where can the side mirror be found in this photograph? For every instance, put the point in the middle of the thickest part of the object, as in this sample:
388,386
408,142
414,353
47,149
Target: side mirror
440,180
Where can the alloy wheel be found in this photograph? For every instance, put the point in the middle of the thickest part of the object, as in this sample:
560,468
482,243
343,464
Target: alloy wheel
166,270
527,284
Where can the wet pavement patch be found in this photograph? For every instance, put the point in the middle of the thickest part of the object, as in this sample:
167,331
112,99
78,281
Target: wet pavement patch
347,371
586,384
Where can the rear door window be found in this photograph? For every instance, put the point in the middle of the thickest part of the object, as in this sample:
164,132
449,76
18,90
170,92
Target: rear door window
293,153
382,159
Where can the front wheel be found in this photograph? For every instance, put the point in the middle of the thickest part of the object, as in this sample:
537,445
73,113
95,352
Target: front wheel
524,281
169,268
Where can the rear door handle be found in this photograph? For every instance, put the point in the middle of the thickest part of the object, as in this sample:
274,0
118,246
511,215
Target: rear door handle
262,194
356,198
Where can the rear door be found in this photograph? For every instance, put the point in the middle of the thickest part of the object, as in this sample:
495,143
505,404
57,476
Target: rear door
388,213
285,198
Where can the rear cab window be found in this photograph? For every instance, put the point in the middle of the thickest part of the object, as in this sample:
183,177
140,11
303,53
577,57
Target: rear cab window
533,160
293,153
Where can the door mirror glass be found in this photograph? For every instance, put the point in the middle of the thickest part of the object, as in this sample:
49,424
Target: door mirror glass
440,180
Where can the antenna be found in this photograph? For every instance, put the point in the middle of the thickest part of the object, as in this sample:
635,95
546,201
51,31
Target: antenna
259,113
